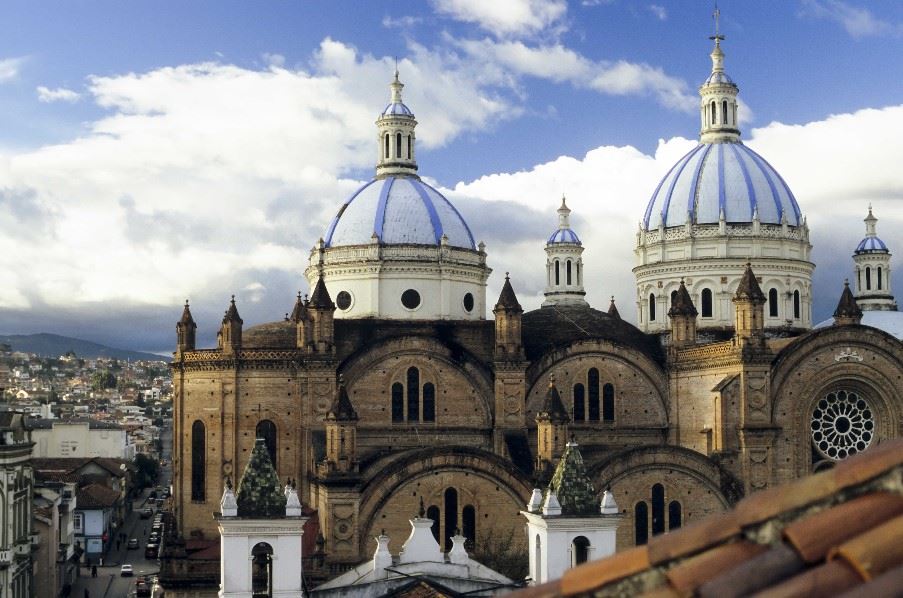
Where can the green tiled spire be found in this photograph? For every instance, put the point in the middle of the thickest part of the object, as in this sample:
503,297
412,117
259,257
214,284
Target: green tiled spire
572,486
260,494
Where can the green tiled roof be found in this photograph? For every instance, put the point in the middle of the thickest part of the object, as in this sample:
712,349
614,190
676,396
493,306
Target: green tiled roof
572,486
259,492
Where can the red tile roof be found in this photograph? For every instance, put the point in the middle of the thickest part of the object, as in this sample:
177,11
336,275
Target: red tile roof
836,531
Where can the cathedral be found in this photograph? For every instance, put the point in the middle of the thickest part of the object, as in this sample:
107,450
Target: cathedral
395,384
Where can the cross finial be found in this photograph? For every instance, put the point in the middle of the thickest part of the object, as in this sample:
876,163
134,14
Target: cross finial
716,15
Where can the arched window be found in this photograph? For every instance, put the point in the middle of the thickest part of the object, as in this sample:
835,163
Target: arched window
879,278
592,390
409,147
557,274
579,403
579,551
706,303
267,430
674,515
579,276
262,570
713,112
569,272
397,145
868,278
469,523
641,523
658,509
451,515
433,513
724,111
413,395
652,307
429,402
796,304
608,402
398,402
386,154
772,303
198,460
858,279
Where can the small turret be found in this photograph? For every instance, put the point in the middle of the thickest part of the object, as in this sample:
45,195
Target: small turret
395,137
551,428
301,320
230,332
321,310
564,263
718,98
613,309
749,315
683,318
185,331
341,433
847,311
508,312
873,270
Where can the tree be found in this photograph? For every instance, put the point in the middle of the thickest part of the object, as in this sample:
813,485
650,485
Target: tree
102,380
148,471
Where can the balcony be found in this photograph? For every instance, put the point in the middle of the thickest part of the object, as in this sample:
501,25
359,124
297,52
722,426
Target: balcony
6,557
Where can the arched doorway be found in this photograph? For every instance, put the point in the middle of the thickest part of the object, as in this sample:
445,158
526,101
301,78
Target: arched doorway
262,570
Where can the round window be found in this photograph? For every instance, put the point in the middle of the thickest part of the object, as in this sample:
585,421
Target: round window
410,299
343,300
468,302
842,425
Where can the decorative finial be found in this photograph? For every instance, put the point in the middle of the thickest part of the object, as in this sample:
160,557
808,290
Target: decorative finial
551,380
612,298
870,209
717,17
506,276
233,299
286,316
229,482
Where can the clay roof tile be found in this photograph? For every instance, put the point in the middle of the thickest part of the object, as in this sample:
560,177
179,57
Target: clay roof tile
598,573
692,573
875,551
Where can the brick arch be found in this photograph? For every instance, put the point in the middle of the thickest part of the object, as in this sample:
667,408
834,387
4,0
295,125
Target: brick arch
636,362
826,360
421,349
392,476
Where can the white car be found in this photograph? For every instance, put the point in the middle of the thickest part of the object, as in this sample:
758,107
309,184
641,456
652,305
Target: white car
126,571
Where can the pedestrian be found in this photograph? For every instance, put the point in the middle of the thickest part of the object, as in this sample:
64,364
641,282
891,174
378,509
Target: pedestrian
93,571
87,593
117,545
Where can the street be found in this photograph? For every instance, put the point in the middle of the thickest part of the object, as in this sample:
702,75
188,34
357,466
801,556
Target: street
109,583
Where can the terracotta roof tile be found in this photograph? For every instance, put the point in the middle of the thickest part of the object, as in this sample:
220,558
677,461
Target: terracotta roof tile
550,589
814,536
663,592
693,538
887,584
825,580
766,504
693,572
869,464
768,568
598,573
875,551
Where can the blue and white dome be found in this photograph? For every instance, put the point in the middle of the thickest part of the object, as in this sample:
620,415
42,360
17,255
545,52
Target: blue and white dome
399,211
871,244
721,177
564,235
397,108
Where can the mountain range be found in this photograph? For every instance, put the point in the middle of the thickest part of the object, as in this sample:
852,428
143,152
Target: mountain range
54,345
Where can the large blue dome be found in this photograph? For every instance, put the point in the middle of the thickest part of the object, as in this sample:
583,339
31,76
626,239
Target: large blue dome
399,210
716,177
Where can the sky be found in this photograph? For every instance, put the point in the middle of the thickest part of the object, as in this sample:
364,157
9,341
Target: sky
156,151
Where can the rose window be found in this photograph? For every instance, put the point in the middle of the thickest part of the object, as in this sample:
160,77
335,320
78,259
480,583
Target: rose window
842,425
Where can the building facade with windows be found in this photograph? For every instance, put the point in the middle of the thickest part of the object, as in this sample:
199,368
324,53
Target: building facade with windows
390,386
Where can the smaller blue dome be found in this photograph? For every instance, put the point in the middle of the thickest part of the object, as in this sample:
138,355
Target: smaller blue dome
397,108
564,235
719,78
870,244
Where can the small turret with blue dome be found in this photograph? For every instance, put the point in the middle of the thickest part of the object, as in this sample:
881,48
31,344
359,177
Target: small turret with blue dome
564,263
719,205
872,263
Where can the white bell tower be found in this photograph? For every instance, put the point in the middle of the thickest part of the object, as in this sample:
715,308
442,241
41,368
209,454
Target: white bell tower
872,263
566,527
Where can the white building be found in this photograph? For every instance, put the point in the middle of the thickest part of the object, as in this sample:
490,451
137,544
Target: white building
80,438
16,488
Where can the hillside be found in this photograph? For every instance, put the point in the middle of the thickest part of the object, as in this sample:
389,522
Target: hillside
54,345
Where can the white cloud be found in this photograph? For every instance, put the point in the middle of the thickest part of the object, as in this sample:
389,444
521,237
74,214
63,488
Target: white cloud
834,171
60,94
9,68
506,17
276,60
857,21
660,12
561,64
403,22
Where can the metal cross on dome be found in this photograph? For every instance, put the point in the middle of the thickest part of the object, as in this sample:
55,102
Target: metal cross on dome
717,17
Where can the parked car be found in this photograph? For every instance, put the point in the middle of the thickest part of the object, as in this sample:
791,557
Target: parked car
126,570
142,587
147,513
133,544
150,552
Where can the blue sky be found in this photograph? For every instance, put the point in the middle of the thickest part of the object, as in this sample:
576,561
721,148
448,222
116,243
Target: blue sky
151,151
